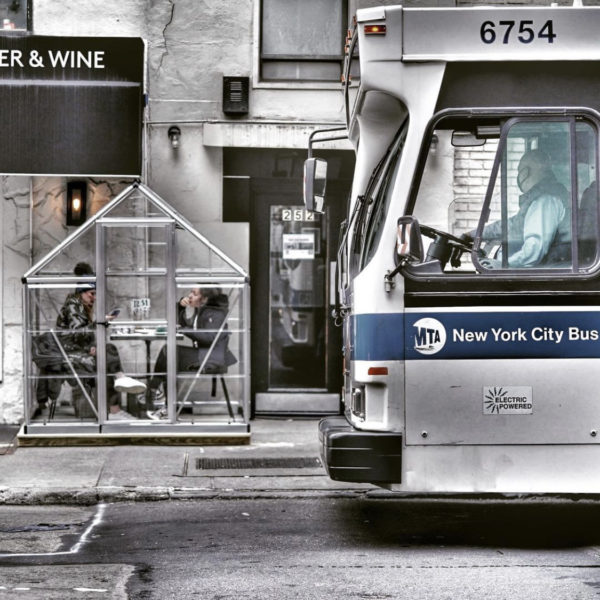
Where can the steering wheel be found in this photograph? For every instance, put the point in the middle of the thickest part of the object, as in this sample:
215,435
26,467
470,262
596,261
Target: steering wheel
445,246
448,238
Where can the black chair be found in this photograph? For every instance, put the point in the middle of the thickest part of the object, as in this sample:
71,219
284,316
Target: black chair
225,391
51,358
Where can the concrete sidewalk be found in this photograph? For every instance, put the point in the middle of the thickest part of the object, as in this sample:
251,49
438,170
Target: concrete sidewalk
282,459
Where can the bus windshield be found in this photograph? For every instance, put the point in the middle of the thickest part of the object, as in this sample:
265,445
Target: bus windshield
521,190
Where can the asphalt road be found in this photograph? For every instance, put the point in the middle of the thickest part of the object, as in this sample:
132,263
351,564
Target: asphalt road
320,547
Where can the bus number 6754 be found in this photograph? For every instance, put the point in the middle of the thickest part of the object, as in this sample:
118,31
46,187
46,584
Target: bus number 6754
491,32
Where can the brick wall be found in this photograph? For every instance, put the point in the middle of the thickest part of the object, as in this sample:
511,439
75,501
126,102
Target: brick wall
472,170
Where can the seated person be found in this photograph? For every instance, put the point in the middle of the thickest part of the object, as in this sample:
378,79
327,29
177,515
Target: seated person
540,232
200,315
48,388
76,318
588,223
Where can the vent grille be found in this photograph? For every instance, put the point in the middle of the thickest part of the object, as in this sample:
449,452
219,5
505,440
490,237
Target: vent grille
236,91
206,464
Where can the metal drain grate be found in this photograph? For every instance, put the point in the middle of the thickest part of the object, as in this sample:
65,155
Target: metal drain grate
257,463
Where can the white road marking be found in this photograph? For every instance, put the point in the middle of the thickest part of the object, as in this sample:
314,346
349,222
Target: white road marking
77,547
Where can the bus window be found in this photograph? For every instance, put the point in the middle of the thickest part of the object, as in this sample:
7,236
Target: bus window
455,179
529,223
381,202
527,200
371,212
587,186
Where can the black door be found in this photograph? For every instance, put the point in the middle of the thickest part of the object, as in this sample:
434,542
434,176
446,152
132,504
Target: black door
295,346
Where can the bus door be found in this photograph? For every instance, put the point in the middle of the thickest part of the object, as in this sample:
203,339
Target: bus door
502,304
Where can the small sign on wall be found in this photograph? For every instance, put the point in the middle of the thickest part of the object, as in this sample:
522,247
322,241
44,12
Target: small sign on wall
140,309
298,246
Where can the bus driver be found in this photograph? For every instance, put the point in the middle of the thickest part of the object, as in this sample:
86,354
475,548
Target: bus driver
540,232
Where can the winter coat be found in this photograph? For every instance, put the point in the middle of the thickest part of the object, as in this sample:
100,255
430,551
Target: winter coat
77,335
202,328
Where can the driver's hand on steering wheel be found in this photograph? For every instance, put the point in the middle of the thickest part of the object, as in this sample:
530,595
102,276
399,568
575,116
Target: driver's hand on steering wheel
467,238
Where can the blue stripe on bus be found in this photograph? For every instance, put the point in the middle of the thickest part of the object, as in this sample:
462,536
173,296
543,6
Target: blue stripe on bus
378,336
470,335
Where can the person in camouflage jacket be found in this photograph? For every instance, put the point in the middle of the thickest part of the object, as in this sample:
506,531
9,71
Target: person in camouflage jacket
77,335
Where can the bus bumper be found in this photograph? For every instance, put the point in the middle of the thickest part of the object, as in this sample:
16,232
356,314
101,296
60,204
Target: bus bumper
357,456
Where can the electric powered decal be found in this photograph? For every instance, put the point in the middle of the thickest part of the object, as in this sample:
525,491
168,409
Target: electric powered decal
509,400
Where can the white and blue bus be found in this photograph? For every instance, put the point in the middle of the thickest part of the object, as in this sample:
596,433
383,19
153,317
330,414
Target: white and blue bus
469,271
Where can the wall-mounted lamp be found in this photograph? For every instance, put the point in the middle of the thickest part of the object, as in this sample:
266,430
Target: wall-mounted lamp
76,203
174,136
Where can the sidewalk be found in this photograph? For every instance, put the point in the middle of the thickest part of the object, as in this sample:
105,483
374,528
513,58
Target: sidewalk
282,459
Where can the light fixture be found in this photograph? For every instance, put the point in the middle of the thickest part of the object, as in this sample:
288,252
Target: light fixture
76,203
174,135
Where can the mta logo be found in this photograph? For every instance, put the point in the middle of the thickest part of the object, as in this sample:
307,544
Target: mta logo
430,336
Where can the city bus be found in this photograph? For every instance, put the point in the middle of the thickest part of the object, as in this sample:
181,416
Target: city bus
468,276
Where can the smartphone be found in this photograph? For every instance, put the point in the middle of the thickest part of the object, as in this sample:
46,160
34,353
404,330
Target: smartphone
114,312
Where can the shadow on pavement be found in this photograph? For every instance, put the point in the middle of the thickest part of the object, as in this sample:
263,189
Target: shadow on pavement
8,434
507,523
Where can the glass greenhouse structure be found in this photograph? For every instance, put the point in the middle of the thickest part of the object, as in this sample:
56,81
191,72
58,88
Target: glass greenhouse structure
144,258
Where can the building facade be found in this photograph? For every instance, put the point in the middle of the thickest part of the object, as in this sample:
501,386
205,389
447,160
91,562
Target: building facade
233,90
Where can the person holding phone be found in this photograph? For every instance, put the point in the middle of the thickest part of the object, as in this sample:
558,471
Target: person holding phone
76,320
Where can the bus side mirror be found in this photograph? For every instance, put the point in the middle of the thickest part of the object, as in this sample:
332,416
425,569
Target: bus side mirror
315,181
409,245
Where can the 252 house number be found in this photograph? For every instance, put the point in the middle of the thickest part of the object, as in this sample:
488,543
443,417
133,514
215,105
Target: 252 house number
506,31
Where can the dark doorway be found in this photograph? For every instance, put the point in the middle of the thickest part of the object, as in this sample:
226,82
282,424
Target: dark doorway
295,346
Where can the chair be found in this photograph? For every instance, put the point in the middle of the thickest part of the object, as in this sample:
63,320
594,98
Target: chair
216,374
50,357
225,391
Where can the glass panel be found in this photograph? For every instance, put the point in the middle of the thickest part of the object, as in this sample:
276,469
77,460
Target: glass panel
137,204
135,248
453,188
307,28
301,70
528,223
532,228
136,294
371,228
82,247
195,257
211,359
61,369
142,309
14,14
587,186
297,311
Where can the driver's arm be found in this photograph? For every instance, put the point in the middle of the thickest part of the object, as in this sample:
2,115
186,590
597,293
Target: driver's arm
492,232
539,229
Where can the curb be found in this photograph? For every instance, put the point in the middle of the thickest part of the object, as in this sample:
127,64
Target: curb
98,495
112,494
